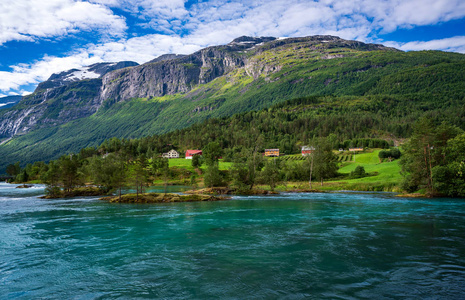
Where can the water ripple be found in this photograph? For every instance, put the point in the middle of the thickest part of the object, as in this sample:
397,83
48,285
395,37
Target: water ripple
291,246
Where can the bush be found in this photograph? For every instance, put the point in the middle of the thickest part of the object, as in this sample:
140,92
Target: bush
359,172
393,153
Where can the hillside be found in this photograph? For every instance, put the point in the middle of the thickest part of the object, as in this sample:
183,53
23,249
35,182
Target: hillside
363,80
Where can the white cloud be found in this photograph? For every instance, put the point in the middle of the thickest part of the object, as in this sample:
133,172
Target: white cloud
139,49
207,23
28,20
148,9
453,44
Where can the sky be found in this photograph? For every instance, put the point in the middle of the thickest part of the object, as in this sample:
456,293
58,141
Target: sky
39,38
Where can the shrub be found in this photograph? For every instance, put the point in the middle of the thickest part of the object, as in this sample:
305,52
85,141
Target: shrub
359,172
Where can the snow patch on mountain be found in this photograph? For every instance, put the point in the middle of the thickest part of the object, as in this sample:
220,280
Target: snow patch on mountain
81,74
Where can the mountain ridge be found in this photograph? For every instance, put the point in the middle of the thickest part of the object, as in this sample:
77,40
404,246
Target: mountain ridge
79,93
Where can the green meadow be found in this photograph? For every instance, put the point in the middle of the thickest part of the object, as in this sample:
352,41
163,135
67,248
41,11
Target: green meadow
382,176
187,164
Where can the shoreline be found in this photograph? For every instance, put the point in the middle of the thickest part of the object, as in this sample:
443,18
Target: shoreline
91,191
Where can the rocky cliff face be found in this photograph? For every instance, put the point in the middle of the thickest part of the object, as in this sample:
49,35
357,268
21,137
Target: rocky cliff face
171,74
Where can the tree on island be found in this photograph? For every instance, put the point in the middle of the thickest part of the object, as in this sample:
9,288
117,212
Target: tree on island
138,174
108,173
70,178
52,179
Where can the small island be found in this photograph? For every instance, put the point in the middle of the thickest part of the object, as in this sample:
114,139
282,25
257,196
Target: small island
161,198
230,191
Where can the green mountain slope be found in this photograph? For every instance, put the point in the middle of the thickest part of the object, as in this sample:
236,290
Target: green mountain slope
395,85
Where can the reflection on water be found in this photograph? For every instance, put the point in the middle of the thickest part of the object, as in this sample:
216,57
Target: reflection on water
341,245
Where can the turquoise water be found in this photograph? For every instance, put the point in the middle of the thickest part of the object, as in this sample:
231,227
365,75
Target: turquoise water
291,246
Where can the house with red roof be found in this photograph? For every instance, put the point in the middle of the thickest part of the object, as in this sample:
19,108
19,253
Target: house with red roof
190,153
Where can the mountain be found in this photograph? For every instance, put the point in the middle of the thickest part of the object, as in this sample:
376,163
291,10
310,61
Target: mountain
176,91
90,72
62,98
9,101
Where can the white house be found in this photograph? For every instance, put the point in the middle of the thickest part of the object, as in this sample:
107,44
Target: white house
171,154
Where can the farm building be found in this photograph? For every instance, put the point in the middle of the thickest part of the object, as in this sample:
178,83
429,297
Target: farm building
190,153
355,149
306,150
271,152
171,154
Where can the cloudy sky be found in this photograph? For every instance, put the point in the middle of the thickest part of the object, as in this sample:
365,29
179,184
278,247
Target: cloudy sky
38,38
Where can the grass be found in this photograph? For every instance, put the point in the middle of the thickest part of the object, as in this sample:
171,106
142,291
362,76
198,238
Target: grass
187,164
383,176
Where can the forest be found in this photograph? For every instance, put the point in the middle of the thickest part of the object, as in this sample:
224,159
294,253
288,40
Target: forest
432,159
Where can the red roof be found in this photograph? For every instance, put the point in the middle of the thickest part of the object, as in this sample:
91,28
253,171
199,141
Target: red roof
193,152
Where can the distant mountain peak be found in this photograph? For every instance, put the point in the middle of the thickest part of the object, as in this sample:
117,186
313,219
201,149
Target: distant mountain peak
167,56
89,72
252,40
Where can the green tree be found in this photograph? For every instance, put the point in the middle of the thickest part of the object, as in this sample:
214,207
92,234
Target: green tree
196,161
211,153
424,151
359,172
165,169
108,173
449,179
193,181
212,176
69,165
157,165
23,176
52,178
138,174
245,168
270,174
324,161
13,169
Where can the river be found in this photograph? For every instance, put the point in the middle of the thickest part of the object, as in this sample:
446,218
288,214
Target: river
288,246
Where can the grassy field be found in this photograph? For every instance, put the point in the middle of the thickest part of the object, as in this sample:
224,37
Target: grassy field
187,164
382,176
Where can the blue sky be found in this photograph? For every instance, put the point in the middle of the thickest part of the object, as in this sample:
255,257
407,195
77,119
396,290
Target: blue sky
38,38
